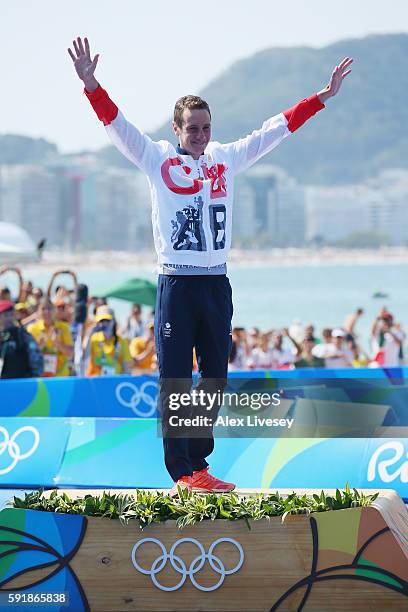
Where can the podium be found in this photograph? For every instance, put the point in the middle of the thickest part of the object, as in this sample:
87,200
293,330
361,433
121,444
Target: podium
352,559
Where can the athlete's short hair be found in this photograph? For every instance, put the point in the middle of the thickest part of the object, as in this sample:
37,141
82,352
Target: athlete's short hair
191,102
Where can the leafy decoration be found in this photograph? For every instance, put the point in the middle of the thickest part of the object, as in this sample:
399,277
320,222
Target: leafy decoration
190,508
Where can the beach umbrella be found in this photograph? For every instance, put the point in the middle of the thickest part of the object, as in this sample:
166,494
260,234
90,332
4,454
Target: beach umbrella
136,290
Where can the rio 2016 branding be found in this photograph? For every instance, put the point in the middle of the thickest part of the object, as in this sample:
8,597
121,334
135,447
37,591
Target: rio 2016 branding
180,566
382,466
12,444
131,396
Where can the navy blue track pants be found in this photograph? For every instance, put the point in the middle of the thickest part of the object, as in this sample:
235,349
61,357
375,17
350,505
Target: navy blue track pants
191,311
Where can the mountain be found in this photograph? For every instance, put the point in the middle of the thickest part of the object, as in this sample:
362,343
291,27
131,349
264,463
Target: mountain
363,130
15,149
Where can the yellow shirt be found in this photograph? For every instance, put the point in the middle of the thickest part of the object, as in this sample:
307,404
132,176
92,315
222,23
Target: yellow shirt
361,362
106,358
55,362
137,347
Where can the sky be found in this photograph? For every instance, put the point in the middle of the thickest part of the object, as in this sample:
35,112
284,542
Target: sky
152,53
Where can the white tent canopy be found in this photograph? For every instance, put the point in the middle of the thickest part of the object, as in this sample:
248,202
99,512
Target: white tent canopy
15,244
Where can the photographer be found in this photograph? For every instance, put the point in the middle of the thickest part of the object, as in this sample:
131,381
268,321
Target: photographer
20,356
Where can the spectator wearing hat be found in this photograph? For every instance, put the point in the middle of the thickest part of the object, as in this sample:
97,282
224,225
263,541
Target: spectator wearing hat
20,356
22,310
342,357
332,350
108,352
54,339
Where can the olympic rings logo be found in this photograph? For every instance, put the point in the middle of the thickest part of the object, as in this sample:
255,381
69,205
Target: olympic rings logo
10,444
195,566
137,395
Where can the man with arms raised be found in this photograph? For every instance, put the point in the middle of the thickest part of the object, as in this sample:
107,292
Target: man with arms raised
192,194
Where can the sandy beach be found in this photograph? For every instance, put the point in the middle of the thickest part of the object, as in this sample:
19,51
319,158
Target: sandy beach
247,258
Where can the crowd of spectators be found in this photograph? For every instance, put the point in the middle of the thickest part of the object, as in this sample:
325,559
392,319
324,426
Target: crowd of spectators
40,336
300,347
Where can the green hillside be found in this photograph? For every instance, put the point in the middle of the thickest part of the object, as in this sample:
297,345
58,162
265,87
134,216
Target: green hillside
15,149
363,130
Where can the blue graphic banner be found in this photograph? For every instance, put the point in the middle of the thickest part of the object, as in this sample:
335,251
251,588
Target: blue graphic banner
103,432
31,450
125,453
131,396
111,396
24,549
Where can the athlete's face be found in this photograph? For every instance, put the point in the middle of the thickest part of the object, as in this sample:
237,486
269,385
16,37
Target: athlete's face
195,133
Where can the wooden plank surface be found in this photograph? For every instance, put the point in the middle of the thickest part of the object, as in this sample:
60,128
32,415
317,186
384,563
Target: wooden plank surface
277,555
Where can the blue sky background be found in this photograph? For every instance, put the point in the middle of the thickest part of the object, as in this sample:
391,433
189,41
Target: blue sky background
152,53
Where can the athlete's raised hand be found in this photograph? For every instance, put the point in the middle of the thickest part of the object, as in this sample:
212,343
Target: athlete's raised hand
336,79
84,65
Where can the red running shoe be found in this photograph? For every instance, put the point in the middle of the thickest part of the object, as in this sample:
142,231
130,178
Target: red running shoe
203,482
184,482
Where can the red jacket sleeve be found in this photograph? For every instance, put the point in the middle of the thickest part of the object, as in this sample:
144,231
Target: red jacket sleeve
301,112
102,104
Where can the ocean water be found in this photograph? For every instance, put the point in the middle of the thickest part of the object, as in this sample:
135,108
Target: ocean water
273,296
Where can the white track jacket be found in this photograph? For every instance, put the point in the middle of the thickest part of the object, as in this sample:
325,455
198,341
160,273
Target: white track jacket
192,199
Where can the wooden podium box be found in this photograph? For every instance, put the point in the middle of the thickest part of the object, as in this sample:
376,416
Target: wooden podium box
354,559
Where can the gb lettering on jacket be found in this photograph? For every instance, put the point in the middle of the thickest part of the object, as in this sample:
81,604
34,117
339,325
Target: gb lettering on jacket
187,226
176,176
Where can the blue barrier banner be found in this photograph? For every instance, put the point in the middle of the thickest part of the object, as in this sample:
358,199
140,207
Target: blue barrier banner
31,450
125,453
114,452
103,432
136,396
111,396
